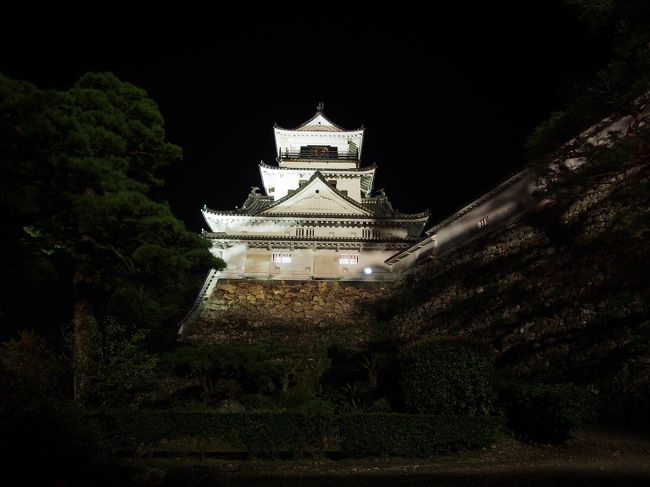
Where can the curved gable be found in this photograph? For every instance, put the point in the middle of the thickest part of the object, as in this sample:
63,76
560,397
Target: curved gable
316,197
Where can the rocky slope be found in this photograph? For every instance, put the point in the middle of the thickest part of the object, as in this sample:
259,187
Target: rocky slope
562,293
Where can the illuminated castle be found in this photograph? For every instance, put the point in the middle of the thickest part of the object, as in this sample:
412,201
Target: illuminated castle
316,217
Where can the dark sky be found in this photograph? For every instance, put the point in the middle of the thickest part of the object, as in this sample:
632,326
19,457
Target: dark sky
447,98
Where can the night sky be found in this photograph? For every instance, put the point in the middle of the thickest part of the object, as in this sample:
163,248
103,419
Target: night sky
447,100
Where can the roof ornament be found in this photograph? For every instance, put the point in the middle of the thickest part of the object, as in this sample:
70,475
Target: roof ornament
320,107
205,207
254,190
382,192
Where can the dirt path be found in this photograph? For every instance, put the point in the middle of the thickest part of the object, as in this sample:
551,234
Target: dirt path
593,457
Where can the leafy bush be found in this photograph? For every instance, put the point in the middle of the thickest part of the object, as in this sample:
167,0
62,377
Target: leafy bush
267,434
262,434
30,372
227,371
294,399
358,376
411,435
546,413
381,405
448,376
257,402
319,406
354,397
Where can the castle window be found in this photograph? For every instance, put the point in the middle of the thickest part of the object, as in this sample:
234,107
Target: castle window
282,258
349,259
370,233
304,232
482,222
318,152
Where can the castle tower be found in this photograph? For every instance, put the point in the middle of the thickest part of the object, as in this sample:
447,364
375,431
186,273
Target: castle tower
317,217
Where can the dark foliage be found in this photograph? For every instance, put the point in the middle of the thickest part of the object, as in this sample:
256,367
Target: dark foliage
359,376
65,443
415,435
268,375
546,413
449,376
260,434
614,89
79,186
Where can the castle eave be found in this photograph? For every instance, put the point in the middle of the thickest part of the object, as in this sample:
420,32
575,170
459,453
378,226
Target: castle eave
288,238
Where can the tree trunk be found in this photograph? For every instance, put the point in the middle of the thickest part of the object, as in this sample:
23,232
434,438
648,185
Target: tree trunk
82,321
285,380
372,379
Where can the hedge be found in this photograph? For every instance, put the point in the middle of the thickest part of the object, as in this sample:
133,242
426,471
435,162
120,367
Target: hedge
263,434
448,376
546,413
415,435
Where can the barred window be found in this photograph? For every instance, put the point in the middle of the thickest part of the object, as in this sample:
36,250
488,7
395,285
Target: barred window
370,233
482,222
304,232
349,259
282,258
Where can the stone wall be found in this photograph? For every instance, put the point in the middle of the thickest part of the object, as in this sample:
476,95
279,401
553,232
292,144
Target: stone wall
562,294
313,313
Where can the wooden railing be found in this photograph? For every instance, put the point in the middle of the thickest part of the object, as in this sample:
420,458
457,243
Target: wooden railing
285,155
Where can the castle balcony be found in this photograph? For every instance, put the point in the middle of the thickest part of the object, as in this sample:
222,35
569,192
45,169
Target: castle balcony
318,154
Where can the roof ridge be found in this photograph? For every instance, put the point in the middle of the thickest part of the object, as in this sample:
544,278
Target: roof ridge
315,116
318,175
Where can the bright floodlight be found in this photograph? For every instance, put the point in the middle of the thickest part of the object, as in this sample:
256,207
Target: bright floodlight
367,270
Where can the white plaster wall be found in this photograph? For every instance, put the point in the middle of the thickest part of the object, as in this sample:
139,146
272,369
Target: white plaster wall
302,262
372,259
295,139
351,185
497,209
235,257
283,182
243,227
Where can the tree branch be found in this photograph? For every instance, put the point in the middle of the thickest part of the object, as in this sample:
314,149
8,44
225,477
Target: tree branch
125,259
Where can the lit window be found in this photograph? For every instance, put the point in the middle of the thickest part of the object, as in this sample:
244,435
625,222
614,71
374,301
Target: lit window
304,232
370,233
282,258
349,259
482,222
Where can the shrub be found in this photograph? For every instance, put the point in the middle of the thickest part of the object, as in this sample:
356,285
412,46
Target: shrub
381,405
31,372
319,406
415,435
267,434
257,402
261,434
448,376
293,399
546,413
